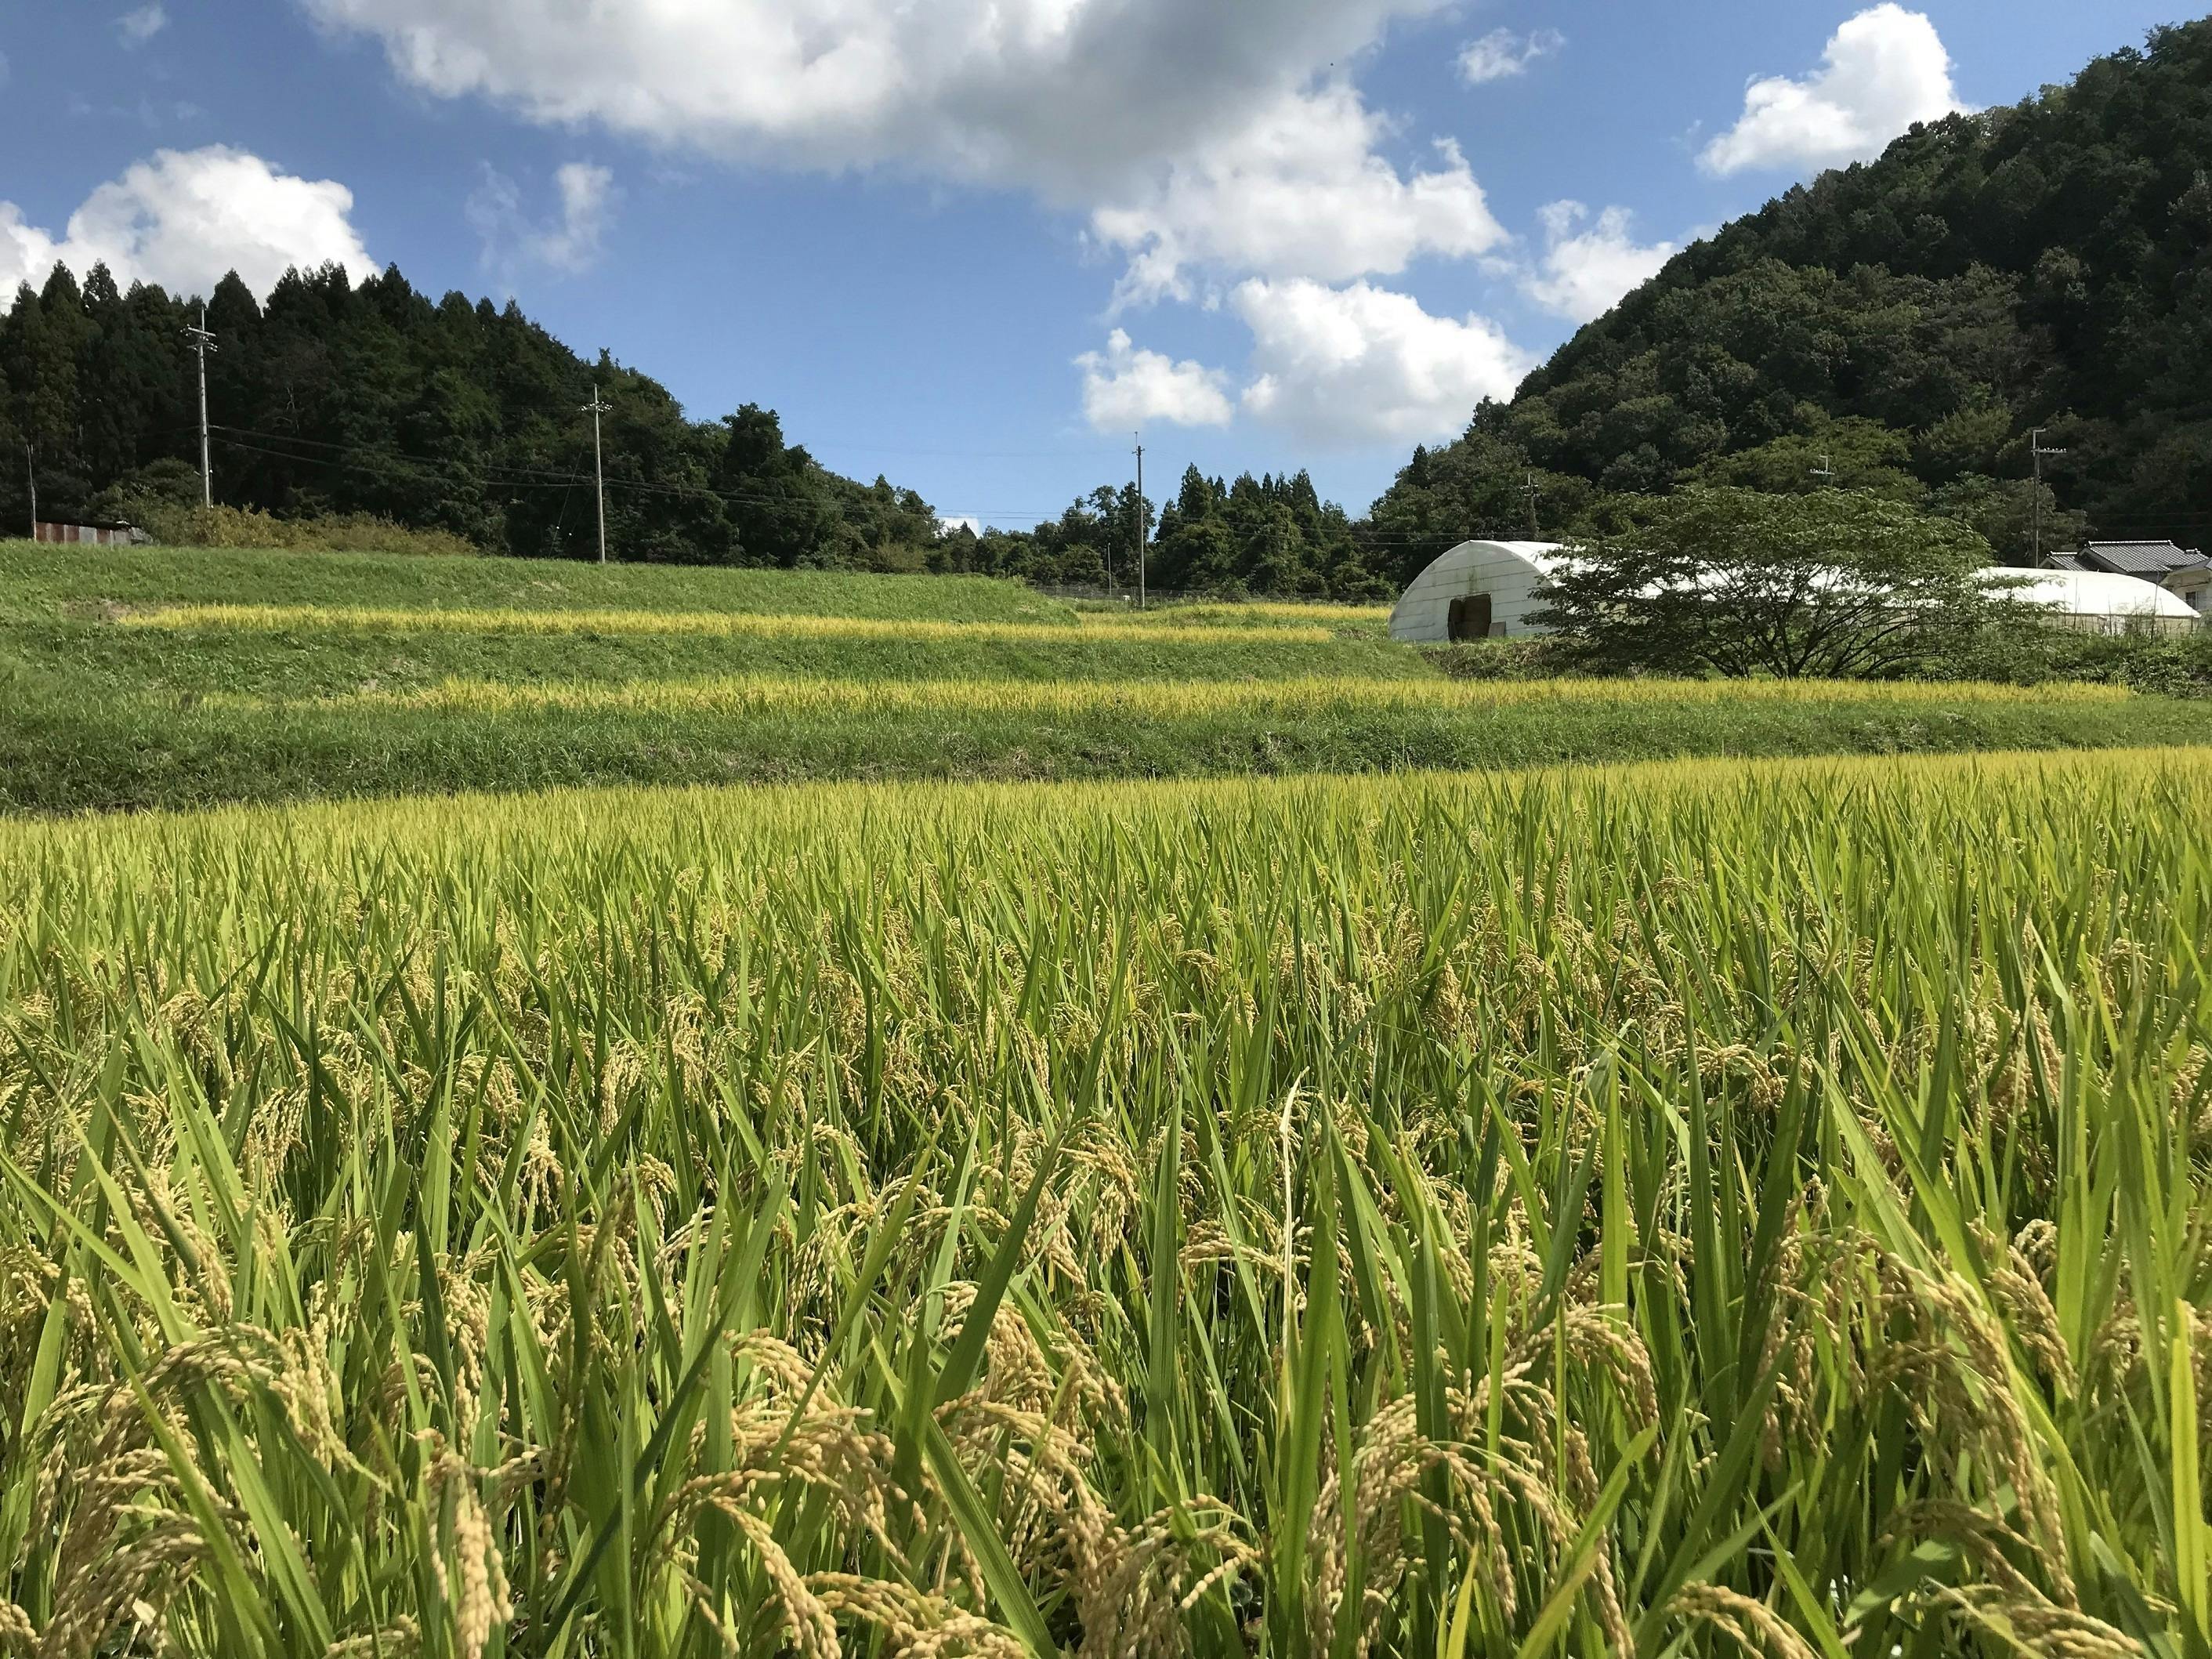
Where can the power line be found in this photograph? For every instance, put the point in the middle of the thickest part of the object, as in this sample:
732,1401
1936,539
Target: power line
518,476
385,465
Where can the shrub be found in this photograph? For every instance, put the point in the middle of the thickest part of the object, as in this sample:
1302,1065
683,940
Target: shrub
1532,658
352,533
2168,665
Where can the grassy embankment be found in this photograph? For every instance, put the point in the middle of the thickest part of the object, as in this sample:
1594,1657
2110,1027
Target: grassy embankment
1756,1202
134,679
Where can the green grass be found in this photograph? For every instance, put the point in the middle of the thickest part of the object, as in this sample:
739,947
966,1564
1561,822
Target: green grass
74,752
132,679
37,581
1553,1215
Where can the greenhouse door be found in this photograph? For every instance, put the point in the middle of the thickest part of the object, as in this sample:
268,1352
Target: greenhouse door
1470,618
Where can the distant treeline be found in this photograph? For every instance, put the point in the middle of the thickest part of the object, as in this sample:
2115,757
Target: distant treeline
1266,535
338,398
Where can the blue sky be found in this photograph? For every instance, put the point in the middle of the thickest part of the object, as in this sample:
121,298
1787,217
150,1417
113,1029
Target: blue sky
973,245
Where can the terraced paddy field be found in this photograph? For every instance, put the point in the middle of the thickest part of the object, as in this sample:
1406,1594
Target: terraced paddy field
138,678
1694,1209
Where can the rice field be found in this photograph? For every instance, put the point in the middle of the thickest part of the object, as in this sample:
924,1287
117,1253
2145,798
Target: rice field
1193,699
1243,614
715,623
1688,1210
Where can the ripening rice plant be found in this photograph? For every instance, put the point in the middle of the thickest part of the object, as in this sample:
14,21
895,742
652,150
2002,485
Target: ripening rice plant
715,623
1180,699
1245,614
1691,1210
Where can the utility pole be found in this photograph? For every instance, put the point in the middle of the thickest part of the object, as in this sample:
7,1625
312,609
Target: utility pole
201,342
1531,489
31,473
1826,472
2035,448
595,409
1143,525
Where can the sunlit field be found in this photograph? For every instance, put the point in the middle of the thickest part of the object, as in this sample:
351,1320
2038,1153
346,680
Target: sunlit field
1690,1209
1138,625
1173,700
134,679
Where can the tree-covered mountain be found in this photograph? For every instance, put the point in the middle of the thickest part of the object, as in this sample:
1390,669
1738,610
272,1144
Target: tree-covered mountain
373,398
1905,325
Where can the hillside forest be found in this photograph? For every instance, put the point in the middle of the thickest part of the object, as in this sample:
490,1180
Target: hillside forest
1905,327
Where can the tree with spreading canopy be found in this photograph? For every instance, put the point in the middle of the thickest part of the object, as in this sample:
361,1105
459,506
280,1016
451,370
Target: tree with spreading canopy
1835,585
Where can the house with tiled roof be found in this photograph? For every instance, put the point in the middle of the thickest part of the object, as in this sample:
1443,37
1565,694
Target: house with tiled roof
2184,572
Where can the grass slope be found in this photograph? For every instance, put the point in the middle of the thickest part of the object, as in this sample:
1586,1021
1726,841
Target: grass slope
58,756
38,580
134,678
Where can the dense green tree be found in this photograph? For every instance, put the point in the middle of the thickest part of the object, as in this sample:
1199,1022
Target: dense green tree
1475,489
371,397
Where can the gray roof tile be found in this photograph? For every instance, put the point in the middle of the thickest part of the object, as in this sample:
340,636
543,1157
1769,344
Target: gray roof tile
2139,558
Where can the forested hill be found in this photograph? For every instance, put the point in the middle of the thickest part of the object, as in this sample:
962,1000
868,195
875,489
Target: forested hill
1915,319
447,414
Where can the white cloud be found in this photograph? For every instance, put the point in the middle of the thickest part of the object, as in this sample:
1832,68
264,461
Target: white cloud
1502,54
1884,70
959,522
1585,271
184,219
568,243
1342,365
1127,387
1199,147
1299,192
138,27
1194,137
1061,95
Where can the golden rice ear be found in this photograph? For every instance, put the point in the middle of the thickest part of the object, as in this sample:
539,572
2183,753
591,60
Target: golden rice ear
1750,1624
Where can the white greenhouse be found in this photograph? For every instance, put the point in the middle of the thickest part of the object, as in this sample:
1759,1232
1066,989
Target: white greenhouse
2099,602
1478,591
1486,590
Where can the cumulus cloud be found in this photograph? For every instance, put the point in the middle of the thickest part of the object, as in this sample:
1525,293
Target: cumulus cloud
1063,93
1588,264
569,242
1126,386
138,27
184,219
1191,138
1501,54
1204,151
1360,364
1883,70
1299,191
